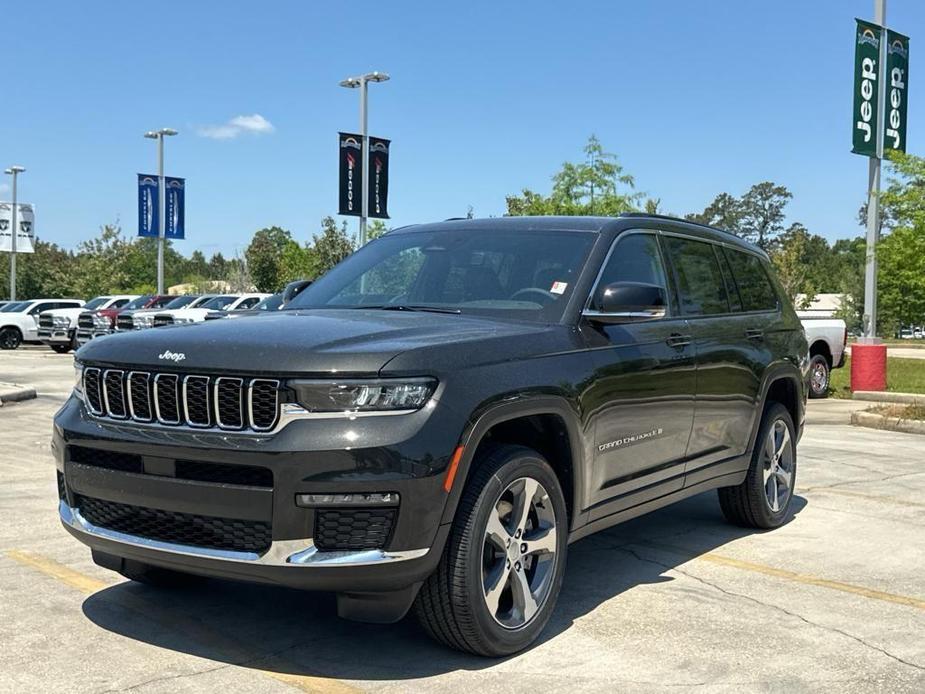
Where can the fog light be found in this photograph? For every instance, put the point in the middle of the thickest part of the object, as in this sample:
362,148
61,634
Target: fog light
340,500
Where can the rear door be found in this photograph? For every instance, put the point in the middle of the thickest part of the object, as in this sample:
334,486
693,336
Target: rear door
642,398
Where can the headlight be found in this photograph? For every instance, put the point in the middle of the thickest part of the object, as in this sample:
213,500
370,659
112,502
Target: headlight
100,322
179,319
78,379
364,396
143,321
61,321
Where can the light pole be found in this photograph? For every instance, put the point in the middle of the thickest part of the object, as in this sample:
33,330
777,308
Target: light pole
361,82
159,135
14,171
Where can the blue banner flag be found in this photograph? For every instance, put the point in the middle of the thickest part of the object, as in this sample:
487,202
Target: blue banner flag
176,204
148,219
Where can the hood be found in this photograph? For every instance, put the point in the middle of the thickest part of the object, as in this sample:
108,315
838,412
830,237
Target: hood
346,342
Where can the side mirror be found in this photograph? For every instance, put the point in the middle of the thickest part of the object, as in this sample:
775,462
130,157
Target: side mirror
627,302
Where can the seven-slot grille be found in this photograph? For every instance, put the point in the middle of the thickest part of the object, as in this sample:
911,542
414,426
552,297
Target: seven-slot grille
223,402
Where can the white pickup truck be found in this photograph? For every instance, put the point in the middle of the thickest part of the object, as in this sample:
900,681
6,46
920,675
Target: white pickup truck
19,320
58,327
827,338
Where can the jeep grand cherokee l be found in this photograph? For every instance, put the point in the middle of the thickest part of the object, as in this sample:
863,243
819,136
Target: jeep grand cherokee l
430,424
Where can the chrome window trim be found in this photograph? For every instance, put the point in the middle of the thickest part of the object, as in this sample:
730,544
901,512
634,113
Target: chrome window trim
157,403
250,403
190,422
288,553
131,399
106,394
218,415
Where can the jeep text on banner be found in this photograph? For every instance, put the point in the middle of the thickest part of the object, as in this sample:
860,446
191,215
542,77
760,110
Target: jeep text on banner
148,218
866,71
897,91
176,206
378,178
25,220
350,154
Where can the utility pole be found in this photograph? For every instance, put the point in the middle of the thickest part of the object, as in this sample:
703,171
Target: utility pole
162,200
873,190
14,171
362,83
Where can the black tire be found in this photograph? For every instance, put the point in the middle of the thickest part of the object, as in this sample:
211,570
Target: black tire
10,338
61,349
747,504
819,386
451,605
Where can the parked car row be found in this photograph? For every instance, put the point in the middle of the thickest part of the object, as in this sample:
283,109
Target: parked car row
66,324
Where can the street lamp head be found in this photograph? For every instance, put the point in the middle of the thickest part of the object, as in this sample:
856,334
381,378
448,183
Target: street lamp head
377,76
154,134
15,170
350,82
167,131
151,135
354,82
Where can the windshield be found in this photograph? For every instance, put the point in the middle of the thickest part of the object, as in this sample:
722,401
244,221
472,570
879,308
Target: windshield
136,303
200,301
180,301
218,303
15,307
515,274
271,303
95,303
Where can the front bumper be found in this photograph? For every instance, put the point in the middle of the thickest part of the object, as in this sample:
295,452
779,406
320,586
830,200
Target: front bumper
55,336
84,335
396,456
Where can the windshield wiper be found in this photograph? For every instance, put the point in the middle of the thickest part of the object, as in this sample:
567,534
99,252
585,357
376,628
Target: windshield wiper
410,307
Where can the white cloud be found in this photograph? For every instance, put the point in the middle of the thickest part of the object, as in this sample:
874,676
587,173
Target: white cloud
239,125
4,188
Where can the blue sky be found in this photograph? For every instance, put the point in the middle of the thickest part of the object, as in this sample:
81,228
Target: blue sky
485,98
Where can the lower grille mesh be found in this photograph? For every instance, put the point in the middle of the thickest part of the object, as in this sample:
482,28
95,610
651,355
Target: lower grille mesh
177,528
351,529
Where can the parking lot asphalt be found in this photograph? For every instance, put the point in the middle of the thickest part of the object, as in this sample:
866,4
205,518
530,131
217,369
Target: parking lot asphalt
674,601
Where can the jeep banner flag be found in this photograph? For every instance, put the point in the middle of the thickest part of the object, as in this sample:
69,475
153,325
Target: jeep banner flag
897,95
350,153
866,73
148,209
25,220
176,204
378,178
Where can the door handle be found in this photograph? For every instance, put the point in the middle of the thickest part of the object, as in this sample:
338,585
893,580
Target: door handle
678,340
754,334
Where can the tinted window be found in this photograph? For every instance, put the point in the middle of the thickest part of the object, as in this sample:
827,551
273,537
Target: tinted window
635,258
271,303
95,303
118,303
701,288
248,303
218,303
752,280
44,306
178,302
14,307
735,303
140,302
486,271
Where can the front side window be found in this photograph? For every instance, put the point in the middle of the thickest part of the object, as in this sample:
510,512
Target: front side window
140,302
218,303
178,302
701,289
526,275
753,282
96,303
635,258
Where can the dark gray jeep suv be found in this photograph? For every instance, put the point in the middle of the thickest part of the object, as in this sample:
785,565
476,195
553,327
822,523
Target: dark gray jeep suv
429,425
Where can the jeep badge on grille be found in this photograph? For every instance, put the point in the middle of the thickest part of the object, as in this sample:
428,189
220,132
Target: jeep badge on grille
167,355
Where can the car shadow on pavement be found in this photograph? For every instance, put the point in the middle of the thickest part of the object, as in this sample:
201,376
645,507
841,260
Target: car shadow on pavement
297,633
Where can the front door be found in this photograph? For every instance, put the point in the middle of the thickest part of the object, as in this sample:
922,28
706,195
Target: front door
642,398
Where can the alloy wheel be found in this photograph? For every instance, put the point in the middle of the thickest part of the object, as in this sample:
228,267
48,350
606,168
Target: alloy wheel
777,459
819,378
519,553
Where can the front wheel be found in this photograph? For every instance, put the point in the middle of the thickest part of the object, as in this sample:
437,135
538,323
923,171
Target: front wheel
819,374
498,581
61,349
10,338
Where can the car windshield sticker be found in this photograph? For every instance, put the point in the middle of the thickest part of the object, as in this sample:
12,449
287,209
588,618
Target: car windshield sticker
559,287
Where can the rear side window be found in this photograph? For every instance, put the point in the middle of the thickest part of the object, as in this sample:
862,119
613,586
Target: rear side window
701,289
752,279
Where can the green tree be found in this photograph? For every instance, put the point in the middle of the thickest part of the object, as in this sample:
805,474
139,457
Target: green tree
757,216
597,186
46,272
802,260
297,262
332,246
724,212
217,266
375,229
264,255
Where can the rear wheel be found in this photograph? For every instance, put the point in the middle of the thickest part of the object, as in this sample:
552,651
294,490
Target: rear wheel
10,338
501,571
763,499
819,374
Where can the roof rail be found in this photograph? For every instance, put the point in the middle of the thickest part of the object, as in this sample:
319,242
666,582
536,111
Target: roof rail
455,219
672,218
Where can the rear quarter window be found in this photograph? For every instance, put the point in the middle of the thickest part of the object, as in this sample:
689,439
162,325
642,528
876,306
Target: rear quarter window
752,279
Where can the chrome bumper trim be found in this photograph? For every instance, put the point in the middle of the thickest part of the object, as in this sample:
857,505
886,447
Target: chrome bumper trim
293,553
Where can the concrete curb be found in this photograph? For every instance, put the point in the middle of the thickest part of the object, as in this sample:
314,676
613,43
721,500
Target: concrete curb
873,420
882,396
10,392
